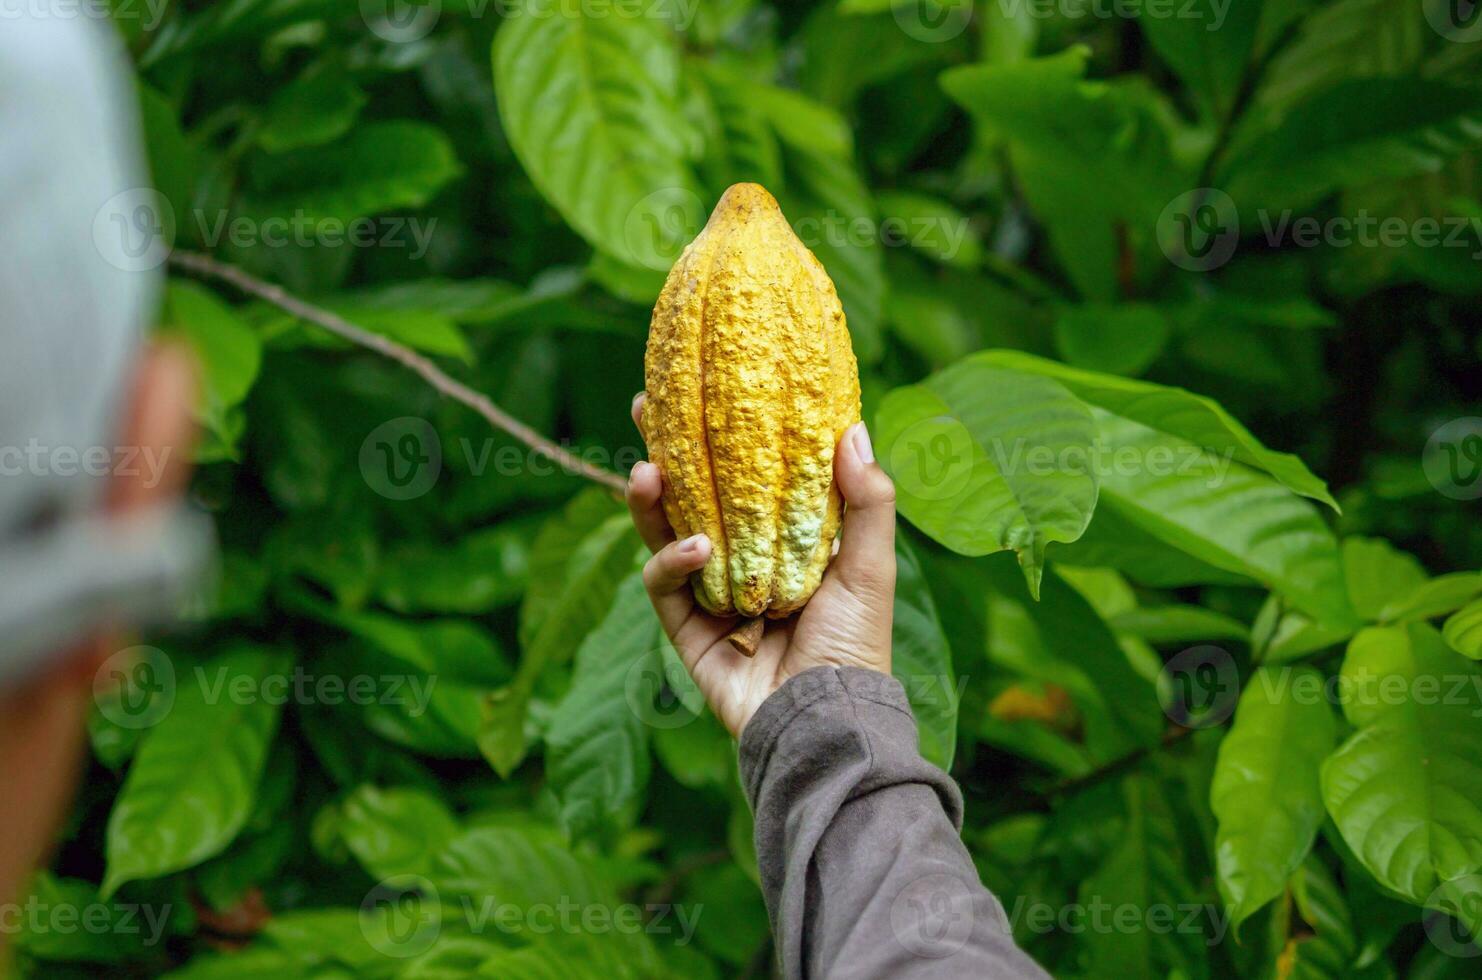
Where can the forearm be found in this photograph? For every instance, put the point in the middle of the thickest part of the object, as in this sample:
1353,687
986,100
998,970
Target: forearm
862,866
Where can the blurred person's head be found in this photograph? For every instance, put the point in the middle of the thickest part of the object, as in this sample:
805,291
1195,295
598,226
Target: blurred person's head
89,543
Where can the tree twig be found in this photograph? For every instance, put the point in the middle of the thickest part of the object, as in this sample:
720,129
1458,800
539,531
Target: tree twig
208,268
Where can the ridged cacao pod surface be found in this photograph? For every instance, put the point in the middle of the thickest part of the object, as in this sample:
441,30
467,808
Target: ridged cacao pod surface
751,382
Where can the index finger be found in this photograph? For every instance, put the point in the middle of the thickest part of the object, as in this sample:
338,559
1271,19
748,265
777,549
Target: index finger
645,486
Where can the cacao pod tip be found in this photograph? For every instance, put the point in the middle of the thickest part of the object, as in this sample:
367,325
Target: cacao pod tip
747,636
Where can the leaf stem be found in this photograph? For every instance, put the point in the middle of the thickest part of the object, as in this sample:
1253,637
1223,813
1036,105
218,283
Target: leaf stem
207,267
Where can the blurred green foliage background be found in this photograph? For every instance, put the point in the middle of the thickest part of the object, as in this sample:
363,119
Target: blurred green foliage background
1050,223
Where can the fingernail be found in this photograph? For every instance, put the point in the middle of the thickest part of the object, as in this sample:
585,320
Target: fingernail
692,544
862,443
635,401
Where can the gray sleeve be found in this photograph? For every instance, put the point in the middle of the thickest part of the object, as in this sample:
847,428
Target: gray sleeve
857,838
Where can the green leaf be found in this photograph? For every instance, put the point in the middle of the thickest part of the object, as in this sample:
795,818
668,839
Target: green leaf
1177,624
1144,871
1055,121
193,781
518,866
590,104
1356,132
1265,793
395,831
229,352
378,167
921,658
1431,598
986,460
740,143
1061,639
1463,630
1405,790
825,200
1123,339
1192,418
1223,513
99,931
1208,44
598,762
737,923
698,754
1330,952
575,566
476,573
319,106
929,225
1376,572
1342,40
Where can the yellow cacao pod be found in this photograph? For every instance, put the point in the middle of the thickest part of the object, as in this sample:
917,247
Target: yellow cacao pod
751,381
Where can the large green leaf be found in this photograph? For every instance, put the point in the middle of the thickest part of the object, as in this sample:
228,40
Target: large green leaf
377,167
1405,790
1376,572
1117,339
1463,630
1223,513
988,460
1342,40
1144,871
825,200
395,831
1325,944
577,561
478,572
515,866
590,102
1354,133
1055,121
1192,418
193,781
1061,639
597,762
1431,598
921,658
1265,792
318,106
1208,43
229,353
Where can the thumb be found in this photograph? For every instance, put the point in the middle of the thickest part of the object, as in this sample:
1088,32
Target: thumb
866,561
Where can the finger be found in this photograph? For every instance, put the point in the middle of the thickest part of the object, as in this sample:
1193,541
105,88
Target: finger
866,561
160,426
637,410
645,486
666,576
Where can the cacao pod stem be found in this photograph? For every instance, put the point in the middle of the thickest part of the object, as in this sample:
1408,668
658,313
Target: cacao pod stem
747,636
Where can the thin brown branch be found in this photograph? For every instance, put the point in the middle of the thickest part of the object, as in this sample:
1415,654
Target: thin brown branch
208,268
